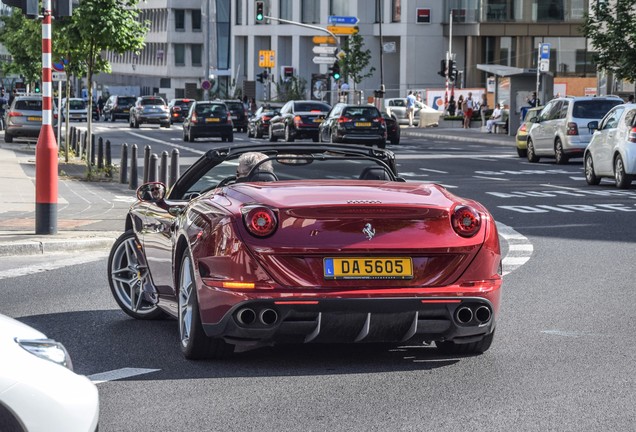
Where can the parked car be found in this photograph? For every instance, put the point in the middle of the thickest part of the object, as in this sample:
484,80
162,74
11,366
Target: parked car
24,118
560,131
208,119
612,150
298,119
239,114
38,389
397,108
258,124
522,133
309,247
77,110
362,124
179,109
118,107
392,128
149,110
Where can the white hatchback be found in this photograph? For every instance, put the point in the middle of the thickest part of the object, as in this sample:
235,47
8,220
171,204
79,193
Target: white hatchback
77,111
38,389
612,150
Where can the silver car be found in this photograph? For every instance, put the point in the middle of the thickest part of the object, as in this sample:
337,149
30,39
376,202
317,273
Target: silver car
560,131
24,118
612,150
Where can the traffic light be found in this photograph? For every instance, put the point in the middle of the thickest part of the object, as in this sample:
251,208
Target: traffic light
442,68
260,77
28,7
36,87
335,70
260,11
452,74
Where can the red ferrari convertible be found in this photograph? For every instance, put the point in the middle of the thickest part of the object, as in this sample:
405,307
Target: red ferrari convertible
316,244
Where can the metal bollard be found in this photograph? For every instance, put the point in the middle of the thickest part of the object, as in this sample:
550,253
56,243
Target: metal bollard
92,138
146,162
132,184
109,160
100,153
153,169
80,147
123,169
174,166
163,168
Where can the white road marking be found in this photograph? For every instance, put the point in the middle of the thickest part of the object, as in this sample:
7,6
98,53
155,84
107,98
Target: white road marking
519,248
119,374
434,171
54,261
199,152
491,178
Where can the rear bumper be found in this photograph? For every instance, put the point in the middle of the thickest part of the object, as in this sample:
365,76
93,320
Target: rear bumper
154,118
210,132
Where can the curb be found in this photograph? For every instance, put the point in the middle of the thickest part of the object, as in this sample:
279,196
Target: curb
39,247
457,138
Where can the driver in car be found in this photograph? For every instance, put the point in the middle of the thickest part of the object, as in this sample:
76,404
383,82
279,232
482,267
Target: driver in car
247,161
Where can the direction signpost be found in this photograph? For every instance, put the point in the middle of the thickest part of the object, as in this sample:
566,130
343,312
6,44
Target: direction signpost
325,49
346,20
343,31
324,60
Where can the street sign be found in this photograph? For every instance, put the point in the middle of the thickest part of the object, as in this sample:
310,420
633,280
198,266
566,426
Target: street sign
341,54
544,65
324,49
337,30
347,20
266,58
206,85
324,40
58,76
324,60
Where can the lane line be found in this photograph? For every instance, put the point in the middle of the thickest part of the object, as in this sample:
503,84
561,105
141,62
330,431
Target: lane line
520,249
118,374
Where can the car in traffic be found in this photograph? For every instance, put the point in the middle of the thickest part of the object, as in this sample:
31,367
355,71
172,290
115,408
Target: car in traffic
393,130
77,110
149,110
423,115
361,124
612,149
23,119
560,130
239,114
208,119
258,124
179,109
118,107
38,389
308,246
521,137
298,119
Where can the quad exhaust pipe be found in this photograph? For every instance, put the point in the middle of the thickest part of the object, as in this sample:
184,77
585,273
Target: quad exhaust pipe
481,314
464,315
268,317
248,316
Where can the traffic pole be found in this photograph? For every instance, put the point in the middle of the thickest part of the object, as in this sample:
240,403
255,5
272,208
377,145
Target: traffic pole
46,149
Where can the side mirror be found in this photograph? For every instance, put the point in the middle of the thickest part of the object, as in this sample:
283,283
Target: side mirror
593,125
151,192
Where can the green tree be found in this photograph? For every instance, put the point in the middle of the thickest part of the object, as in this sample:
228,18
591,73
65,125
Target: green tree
291,89
22,38
356,59
611,28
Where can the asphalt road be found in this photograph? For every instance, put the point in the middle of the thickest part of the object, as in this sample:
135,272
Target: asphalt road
562,360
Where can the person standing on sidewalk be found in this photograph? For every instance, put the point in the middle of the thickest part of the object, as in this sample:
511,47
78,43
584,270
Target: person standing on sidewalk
410,107
483,107
468,111
4,102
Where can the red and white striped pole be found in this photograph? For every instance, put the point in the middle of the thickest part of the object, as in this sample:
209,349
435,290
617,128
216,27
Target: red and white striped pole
46,149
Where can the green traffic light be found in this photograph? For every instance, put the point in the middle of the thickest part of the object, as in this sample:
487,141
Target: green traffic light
259,17
336,76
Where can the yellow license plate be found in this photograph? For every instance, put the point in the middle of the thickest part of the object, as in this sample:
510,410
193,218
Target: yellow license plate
363,124
368,268
126,111
33,118
318,120
212,120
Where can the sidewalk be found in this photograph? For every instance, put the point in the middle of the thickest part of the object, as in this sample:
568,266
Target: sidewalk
84,222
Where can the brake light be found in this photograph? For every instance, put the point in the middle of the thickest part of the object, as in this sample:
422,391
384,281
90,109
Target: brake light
573,128
266,118
523,128
229,118
194,118
260,221
632,135
15,114
466,221
176,108
343,119
297,120
379,120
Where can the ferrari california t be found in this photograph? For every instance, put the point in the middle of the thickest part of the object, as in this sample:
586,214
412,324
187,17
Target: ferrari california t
310,244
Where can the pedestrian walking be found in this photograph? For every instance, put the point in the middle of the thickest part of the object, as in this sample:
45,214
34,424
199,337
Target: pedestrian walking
410,107
4,101
460,105
468,110
452,106
483,107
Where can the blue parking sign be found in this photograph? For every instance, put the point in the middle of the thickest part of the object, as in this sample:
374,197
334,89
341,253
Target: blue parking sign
545,51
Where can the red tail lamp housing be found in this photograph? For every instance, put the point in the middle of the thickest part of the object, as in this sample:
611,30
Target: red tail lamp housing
260,221
466,221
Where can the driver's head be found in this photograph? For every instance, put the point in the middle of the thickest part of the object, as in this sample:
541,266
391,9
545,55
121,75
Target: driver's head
249,160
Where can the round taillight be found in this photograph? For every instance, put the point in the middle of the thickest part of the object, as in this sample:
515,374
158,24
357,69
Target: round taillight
466,221
261,221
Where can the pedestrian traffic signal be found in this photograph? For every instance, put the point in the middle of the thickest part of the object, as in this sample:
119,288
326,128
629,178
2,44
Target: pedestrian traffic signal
260,12
335,70
28,7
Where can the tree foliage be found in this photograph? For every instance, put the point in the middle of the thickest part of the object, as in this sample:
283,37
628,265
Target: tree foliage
611,28
291,88
22,38
356,59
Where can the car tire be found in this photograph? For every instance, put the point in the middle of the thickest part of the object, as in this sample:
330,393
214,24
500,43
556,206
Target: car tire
131,122
230,138
249,133
112,117
185,136
272,138
288,135
8,138
590,176
166,125
521,152
623,181
532,157
258,133
129,279
190,138
478,347
559,154
382,143
195,344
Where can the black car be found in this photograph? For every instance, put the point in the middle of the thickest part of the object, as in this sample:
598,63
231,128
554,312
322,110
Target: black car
298,119
239,114
207,119
118,107
258,124
392,128
361,124
151,110
179,109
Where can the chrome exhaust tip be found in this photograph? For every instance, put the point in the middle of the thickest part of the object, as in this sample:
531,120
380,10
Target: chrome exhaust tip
464,315
268,317
246,316
483,314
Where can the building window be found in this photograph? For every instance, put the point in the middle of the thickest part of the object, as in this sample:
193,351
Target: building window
179,19
196,19
396,10
197,50
286,9
585,63
238,6
339,7
310,13
179,54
